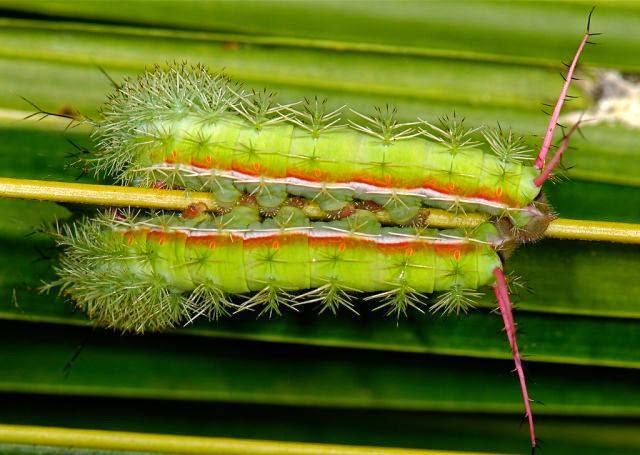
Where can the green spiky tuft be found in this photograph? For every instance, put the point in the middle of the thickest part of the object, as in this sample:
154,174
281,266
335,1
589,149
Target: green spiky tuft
260,109
210,301
110,293
158,95
456,300
450,132
316,118
331,296
117,286
270,299
398,300
507,146
384,125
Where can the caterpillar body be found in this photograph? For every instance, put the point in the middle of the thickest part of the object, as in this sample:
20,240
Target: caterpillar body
184,127
152,273
175,268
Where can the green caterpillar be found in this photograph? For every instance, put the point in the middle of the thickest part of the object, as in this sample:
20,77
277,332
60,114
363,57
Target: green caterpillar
152,273
184,127
140,273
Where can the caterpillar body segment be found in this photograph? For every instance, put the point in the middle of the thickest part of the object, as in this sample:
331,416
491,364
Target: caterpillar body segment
184,127
150,274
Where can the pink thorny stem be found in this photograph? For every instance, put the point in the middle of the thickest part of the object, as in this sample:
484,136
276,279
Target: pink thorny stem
555,160
553,121
502,295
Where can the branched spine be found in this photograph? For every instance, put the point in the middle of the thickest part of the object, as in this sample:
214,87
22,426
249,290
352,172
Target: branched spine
384,125
399,299
456,300
315,117
507,146
450,132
